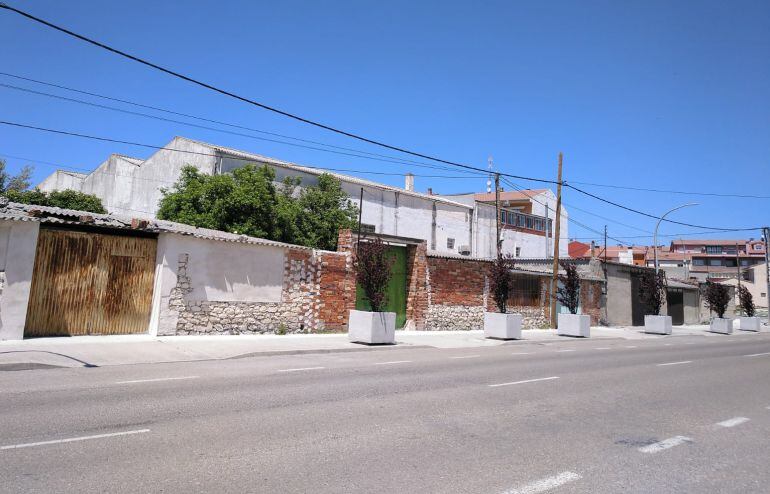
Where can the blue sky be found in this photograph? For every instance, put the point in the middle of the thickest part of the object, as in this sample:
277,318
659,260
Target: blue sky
666,95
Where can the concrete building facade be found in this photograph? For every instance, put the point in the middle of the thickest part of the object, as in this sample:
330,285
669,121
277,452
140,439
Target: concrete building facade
131,186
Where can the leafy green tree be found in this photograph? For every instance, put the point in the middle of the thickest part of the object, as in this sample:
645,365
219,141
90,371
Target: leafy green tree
18,182
16,189
249,202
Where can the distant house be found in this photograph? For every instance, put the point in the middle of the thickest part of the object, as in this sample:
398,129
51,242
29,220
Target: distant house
704,260
461,224
634,255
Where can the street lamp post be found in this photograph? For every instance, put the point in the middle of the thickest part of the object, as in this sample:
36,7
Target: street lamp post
655,239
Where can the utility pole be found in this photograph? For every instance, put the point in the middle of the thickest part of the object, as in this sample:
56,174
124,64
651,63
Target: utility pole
497,210
767,269
555,275
547,231
605,244
360,210
738,263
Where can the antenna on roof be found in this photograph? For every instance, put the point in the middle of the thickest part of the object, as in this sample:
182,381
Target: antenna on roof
489,177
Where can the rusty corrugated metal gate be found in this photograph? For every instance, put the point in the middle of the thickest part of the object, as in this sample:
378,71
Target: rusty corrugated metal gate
90,283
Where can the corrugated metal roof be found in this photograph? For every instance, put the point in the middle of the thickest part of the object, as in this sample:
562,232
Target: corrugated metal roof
21,212
318,171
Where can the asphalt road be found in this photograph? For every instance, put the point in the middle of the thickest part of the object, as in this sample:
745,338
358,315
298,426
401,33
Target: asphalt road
675,414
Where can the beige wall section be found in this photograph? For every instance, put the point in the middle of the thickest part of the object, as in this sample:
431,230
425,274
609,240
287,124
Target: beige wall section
219,272
18,242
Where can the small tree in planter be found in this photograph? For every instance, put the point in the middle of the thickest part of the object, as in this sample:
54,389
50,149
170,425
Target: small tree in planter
568,294
373,267
717,298
652,292
747,322
501,324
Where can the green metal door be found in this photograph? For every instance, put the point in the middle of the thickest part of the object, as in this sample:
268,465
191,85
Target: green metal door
395,293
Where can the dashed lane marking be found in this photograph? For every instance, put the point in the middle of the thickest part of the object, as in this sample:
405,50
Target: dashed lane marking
301,369
393,362
562,351
159,379
665,444
74,439
546,484
757,354
733,422
523,382
675,363
466,356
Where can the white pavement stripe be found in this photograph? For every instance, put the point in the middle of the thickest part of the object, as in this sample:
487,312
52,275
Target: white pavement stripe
675,363
157,380
667,344
521,353
73,439
523,382
301,369
547,484
631,346
757,354
562,351
733,422
603,348
466,356
393,362
665,444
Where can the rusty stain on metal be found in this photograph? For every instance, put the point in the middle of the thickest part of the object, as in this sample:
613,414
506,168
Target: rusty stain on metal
90,283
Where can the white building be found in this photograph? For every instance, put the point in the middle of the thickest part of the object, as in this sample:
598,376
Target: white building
463,224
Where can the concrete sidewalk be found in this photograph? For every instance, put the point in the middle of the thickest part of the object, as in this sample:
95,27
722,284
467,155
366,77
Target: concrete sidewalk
97,351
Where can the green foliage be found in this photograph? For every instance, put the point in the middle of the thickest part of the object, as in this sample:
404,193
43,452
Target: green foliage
249,202
746,301
717,298
67,199
501,280
652,291
18,182
16,189
569,293
373,270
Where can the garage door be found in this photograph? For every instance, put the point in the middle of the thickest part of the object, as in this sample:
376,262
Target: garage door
90,283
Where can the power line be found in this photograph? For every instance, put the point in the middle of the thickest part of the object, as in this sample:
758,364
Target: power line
652,215
196,117
155,117
664,191
242,98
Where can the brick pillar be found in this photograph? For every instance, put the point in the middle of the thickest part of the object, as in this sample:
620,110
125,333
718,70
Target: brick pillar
345,241
416,286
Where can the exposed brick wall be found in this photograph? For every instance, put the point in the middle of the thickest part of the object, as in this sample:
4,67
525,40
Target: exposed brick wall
457,281
417,286
337,291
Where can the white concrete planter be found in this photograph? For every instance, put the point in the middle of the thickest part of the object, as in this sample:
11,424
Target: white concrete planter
657,324
748,324
502,326
372,328
723,325
574,325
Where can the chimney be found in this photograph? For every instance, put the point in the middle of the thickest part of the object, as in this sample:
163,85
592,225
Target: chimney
430,191
593,249
409,182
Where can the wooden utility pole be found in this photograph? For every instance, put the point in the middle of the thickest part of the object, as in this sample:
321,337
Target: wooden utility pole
605,244
767,267
557,233
497,210
360,210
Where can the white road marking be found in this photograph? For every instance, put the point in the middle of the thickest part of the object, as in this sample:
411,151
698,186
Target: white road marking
301,369
733,422
675,363
562,351
603,348
520,353
466,356
631,346
667,344
665,444
157,380
73,439
757,354
690,343
546,484
523,382
393,362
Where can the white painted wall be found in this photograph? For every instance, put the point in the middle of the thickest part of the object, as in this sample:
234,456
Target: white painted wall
18,242
219,272
62,180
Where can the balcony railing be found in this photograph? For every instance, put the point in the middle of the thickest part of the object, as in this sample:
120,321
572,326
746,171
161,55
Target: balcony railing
526,221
